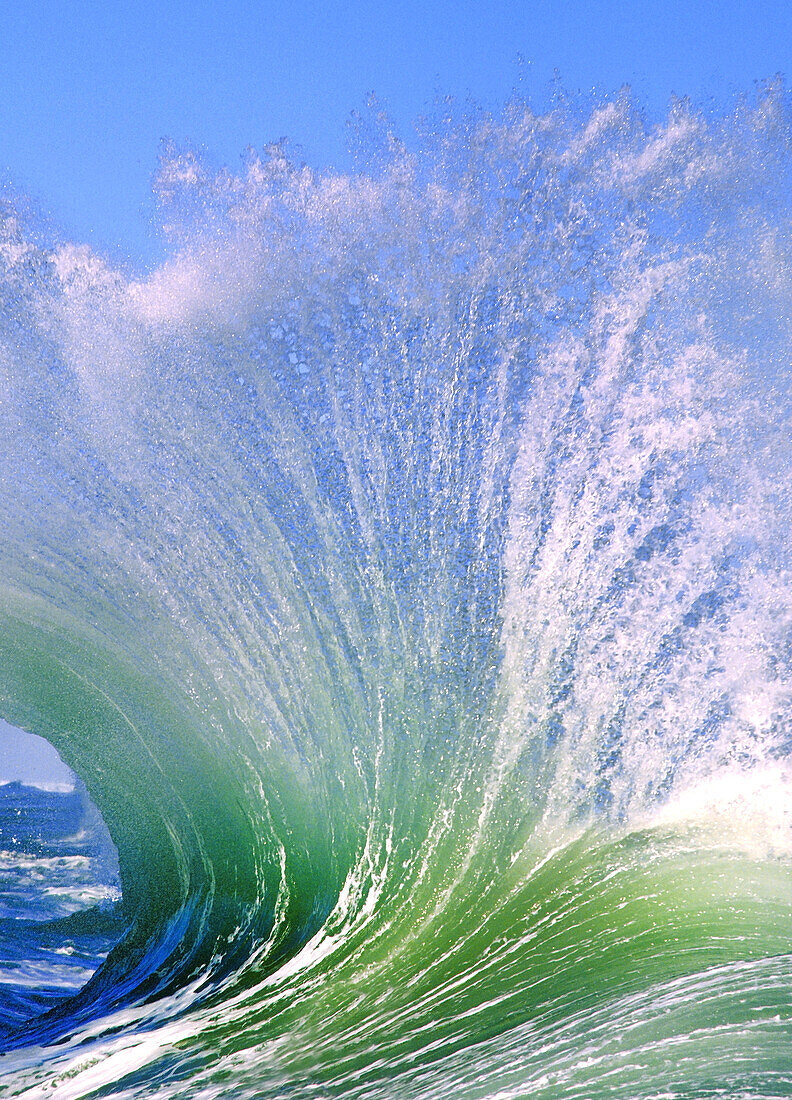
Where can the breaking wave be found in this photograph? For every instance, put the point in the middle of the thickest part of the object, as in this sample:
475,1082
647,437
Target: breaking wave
404,566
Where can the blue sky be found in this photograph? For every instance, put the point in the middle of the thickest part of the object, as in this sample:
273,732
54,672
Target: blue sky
25,758
90,87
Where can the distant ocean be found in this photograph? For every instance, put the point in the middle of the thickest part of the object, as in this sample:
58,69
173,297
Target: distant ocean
59,895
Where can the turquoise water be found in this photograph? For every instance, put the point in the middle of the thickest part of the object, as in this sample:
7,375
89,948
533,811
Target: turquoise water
404,568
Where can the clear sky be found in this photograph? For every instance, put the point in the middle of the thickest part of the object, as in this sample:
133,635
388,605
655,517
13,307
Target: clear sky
89,88
27,759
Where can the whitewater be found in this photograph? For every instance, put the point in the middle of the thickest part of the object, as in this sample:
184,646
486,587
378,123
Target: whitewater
404,567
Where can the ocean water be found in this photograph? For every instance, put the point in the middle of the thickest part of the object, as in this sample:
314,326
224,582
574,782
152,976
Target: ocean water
59,900
404,566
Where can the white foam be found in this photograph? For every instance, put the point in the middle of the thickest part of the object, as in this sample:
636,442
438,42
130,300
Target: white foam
745,810
51,786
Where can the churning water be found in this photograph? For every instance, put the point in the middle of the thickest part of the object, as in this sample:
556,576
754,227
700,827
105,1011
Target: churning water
405,568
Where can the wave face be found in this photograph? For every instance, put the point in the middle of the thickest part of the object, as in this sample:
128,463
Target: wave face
405,568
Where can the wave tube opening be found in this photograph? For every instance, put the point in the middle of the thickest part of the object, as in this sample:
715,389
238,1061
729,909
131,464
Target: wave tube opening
60,911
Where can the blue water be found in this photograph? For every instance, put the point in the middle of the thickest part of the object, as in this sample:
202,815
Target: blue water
59,899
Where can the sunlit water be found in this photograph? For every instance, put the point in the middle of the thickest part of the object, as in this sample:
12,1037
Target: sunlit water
405,567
